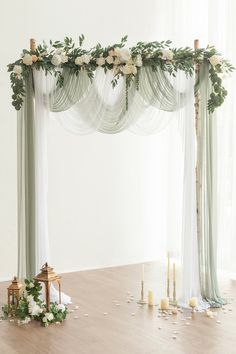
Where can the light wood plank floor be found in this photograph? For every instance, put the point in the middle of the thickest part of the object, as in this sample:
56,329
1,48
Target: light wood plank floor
126,329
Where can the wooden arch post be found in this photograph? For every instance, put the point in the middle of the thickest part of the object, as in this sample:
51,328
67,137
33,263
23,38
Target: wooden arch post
197,127
32,44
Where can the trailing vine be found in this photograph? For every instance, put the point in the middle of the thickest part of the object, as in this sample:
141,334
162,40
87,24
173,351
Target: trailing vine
56,56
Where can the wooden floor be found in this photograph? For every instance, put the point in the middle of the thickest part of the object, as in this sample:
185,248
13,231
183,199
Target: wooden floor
126,328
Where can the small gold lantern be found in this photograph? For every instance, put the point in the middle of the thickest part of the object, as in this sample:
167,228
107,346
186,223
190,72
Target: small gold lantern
13,292
48,276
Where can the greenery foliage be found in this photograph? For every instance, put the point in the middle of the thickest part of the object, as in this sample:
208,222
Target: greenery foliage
56,56
32,307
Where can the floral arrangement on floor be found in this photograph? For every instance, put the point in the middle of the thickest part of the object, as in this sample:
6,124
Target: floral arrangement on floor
31,307
123,62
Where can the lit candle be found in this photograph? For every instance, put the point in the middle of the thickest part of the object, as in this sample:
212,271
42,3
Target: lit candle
164,304
150,298
193,302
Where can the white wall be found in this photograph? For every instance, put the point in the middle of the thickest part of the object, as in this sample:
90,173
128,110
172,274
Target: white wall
105,192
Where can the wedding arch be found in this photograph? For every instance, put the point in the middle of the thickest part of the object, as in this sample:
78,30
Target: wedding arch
109,90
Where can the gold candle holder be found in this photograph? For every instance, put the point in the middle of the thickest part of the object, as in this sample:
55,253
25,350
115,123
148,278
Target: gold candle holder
142,301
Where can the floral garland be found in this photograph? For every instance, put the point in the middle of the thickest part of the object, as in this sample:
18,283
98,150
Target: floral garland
123,62
31,307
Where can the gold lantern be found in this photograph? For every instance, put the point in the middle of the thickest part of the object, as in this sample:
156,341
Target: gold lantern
13,292
48,276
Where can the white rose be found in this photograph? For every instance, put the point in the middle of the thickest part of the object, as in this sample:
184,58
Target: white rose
49,316
17,69
35,310
167,54
109,59
64,58
86,58
31,285
138,60
61,307
214,60
124,55
78,61
44,319
56,59
30,298
100,61
27,59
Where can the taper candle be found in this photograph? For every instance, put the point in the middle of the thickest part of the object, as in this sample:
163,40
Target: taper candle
168,274
142,272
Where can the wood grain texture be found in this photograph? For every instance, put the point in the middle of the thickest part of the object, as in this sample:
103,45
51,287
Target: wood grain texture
121,332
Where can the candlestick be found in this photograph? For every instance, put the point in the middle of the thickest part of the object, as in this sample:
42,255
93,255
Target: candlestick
174,283
142,272
150,298
168,274
142,301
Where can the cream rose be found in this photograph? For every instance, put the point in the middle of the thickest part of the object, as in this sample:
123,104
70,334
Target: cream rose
86,58
17,69
64,58
111,53
116,61
129,69
100,61
124,55
56,59
215,60
109,59
167,54
27,59
78,61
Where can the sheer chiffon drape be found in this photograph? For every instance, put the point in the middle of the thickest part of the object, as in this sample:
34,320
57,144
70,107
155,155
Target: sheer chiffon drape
90,107
84,107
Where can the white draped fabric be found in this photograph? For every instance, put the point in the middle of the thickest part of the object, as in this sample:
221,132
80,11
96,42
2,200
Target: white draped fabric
92,107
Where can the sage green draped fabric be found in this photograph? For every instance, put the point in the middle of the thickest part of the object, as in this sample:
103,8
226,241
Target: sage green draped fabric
156,92
26,184
207,239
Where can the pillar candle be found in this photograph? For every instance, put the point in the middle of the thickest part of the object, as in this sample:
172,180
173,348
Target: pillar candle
164,304
150,298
